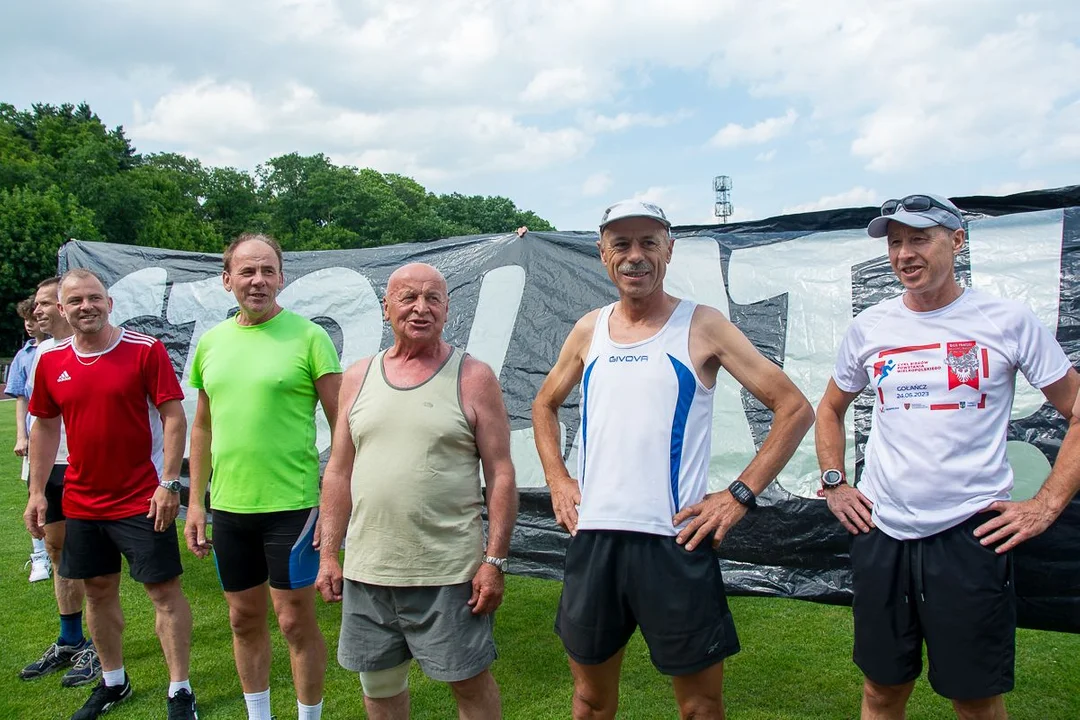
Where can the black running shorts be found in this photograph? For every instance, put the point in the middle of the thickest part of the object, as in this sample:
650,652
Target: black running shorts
92,548
615,581
947,590
250,548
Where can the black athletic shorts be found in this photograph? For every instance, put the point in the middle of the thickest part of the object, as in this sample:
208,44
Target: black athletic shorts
92,548
250,548
54,495
946,589
615,581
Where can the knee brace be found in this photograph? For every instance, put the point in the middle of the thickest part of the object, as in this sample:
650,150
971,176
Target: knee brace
386,683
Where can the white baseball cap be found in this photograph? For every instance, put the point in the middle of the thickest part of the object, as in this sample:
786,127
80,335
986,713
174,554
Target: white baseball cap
633,208
917,211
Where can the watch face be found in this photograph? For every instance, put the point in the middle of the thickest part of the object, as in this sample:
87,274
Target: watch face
832,477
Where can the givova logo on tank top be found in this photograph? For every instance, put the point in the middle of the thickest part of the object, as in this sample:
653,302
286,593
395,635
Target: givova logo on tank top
920,377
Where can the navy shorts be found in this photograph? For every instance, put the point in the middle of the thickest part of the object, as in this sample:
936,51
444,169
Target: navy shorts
251,548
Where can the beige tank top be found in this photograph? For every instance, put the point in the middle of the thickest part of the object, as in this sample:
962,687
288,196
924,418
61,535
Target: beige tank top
415,482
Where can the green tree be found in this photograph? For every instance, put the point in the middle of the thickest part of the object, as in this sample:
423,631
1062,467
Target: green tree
33,226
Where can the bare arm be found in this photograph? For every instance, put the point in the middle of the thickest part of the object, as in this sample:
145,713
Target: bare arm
492,431
848,504
714,335
328,386
21,439
199,464
491,427
1020,521
165,504
336,502
562,378
44,442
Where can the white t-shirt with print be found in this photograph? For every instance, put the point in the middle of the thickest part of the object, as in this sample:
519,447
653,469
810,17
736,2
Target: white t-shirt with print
943,383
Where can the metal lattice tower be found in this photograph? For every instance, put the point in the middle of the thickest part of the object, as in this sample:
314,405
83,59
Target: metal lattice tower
722,208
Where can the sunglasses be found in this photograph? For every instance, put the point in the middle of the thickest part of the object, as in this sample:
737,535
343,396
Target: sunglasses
917,203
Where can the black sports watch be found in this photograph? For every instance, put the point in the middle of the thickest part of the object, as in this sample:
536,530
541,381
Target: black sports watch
832,478
743,494
170,485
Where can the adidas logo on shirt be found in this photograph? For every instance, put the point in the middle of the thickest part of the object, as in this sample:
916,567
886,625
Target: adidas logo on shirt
63,377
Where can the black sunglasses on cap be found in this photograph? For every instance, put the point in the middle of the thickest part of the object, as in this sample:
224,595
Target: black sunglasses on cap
917,203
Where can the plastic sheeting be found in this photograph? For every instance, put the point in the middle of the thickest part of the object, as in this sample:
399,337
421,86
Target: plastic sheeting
791,284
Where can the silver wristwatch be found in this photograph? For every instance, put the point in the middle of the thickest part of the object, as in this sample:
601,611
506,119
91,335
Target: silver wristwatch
502,564
170,485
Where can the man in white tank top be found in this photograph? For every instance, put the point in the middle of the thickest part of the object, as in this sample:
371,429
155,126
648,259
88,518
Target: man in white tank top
642,521
418,581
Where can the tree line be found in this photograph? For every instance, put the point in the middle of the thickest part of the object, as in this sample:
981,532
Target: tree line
65,175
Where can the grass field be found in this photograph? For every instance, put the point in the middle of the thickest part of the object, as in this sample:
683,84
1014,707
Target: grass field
795,663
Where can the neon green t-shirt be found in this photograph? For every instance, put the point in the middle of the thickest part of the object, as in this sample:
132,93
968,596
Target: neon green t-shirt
260,380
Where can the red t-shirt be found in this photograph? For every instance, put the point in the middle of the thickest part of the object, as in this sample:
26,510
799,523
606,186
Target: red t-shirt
109,402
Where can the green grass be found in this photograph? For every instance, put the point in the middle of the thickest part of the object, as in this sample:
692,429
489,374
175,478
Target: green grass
795,663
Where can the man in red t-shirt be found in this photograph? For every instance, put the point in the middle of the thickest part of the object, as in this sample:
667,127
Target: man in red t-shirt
120,402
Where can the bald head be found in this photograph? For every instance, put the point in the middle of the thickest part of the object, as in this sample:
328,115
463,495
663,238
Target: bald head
415,273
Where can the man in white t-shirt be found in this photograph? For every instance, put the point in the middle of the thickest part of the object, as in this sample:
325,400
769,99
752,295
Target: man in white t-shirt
931,520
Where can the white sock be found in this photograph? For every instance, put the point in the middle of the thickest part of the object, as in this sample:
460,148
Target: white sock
309,712
175,687
113,678
258,705
39,545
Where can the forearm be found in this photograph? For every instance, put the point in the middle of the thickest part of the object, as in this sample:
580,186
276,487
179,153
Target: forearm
174,431
199,465
546,436
1064,480
334,510
830,440
45,441
789,426
21,404
502,508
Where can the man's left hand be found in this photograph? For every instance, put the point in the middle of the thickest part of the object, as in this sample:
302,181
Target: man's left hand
487,590
21,446
164,507
717,513
1018,521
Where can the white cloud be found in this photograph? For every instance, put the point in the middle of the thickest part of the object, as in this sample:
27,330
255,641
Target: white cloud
426,143
622,121
1012,187
766,156
559,86
596,184
855,197
734,135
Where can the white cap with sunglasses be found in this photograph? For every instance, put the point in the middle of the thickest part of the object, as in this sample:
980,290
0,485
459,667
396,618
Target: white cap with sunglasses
917,211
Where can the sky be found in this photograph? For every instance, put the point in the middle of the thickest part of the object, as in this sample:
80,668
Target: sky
566,107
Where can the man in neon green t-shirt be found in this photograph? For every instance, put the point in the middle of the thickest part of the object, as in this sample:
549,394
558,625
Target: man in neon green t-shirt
259,375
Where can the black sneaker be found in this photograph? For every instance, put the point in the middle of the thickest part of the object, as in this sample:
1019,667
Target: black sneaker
56,657
182,706
103,699
87,668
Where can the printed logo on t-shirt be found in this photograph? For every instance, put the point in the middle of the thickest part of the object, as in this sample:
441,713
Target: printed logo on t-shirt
917,377
64,377
962,361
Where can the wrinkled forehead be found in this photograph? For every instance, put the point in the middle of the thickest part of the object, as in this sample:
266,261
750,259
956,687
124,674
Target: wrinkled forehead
254,253
636,228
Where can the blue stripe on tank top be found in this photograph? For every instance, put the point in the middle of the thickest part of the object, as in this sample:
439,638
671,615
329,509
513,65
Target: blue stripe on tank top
687,385
585,414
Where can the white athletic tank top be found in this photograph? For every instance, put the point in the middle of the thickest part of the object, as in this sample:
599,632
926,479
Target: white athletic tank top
646,429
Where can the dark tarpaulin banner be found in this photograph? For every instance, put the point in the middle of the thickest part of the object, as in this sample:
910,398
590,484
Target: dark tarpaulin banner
791,284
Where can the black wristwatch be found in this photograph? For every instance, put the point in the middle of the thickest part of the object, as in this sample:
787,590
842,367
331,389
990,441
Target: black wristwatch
832,478
743,494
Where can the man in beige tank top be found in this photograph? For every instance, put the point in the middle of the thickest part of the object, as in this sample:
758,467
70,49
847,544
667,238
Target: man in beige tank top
404,479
